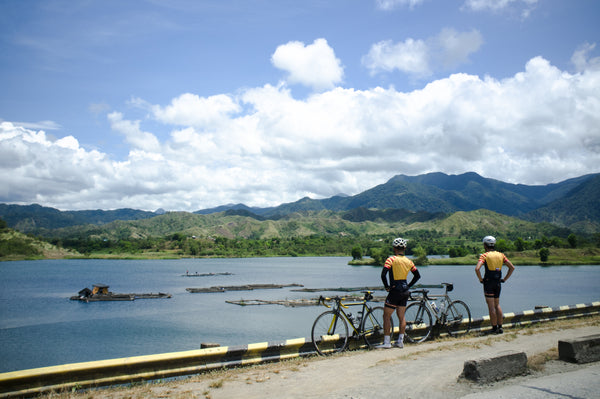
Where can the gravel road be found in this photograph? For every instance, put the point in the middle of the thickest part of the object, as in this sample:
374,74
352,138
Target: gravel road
426,370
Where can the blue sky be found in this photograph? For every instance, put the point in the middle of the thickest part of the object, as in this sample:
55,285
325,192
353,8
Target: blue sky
185,105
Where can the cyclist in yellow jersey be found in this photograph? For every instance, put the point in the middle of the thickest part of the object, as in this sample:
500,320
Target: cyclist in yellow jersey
398,267
492,279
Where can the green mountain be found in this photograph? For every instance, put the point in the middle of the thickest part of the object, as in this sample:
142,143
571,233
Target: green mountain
36,218
308,223
578,209
403,199
15,245
438,192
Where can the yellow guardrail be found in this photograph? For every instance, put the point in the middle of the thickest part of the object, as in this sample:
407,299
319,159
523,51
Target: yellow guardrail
152,367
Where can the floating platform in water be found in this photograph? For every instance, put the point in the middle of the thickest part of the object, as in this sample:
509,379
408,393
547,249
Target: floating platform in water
289,302
100,292
206,274
342,289
284,302
247,287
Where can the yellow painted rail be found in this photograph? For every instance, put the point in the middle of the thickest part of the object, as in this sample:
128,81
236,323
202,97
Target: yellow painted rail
152,367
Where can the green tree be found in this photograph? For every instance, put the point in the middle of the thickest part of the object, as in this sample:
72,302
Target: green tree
357,252
572,238
520,244
420,256
379,255
544,253
457,252
502,245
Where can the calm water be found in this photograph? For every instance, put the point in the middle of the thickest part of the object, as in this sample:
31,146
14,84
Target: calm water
40,326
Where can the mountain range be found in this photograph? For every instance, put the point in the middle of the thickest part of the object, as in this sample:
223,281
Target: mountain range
573,203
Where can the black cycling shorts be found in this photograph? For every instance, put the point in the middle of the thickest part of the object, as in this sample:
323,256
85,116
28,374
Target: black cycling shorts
492,288
397,298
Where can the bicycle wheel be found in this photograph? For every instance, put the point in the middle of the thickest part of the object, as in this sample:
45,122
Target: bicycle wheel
418,322
372,327
458,319
329,333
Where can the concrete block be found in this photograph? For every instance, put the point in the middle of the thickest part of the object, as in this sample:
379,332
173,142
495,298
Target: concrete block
580,350
506,364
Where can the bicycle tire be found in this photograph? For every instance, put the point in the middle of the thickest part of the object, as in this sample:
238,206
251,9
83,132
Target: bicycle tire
418,322
329,333
372,327
458,319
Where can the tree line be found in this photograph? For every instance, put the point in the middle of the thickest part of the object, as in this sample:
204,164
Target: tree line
378,247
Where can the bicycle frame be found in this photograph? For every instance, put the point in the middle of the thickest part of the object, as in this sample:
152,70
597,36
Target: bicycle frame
338,307
330,332
453,314
439,312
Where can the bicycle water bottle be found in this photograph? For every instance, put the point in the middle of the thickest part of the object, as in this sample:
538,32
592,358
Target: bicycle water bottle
350,317
434,306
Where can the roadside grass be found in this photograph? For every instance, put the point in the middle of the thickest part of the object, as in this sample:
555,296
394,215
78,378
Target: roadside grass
538,361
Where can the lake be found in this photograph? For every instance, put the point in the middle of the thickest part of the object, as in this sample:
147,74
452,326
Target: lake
40,326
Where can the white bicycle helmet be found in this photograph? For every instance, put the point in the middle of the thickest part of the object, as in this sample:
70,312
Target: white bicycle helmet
490,241
399,243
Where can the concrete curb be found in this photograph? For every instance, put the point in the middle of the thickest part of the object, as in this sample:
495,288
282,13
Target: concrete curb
152,367
504,365
580,350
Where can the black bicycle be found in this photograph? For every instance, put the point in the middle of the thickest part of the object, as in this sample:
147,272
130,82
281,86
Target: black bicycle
330,330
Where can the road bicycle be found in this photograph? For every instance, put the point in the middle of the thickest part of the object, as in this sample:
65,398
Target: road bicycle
454,315
330,332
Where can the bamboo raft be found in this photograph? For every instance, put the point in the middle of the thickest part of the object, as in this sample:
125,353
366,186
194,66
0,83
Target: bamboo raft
292,302
342,289
285,302
247,287
196,274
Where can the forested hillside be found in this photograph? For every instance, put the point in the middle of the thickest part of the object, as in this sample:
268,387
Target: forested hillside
572,204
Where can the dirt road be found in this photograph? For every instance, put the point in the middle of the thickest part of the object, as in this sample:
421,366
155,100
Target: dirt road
426,370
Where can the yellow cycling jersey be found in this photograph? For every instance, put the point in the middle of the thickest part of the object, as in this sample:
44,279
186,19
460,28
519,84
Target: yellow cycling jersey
493,260
400,266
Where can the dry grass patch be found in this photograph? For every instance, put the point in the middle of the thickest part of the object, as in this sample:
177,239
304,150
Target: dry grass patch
538,361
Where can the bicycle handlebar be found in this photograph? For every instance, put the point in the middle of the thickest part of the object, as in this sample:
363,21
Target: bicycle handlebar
423,292
337,299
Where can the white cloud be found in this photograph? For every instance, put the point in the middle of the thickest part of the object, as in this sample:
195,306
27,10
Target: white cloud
42,125
132,132
581,59
391,4
410,56
314,65
191,110
456,47
498,5
538,126
420,58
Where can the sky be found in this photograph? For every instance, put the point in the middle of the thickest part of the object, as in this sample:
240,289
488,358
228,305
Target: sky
187,105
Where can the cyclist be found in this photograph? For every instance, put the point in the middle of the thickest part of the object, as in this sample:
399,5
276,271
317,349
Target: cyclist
398,267
492,279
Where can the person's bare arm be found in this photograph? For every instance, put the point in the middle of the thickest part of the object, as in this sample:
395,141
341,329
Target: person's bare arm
479,264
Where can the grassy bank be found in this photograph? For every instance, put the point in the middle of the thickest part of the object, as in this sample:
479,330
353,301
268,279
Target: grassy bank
558,256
